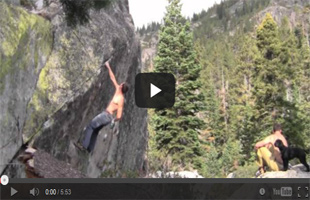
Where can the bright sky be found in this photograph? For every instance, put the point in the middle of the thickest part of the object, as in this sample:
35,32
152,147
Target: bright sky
147,11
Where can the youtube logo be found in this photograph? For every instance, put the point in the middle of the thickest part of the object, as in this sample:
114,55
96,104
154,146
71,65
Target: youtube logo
155,90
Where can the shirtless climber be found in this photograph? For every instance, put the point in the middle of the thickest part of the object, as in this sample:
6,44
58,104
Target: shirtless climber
267,153
106,117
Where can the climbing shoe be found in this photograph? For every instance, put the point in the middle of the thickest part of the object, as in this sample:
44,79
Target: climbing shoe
80,146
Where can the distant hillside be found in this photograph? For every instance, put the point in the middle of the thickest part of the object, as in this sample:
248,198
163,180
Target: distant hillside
240,15
148,38
227,18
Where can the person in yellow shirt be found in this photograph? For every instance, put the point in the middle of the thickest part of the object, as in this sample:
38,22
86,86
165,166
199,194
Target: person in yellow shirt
267,153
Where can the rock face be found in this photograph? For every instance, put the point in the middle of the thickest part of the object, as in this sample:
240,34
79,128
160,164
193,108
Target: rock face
297,171
295,12
180,174
149,43
40,164
73,87
25,45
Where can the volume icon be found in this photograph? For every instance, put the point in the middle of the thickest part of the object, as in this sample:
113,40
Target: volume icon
34,192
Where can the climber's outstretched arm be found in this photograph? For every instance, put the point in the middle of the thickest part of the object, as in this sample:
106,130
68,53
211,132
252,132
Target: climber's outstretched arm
112,77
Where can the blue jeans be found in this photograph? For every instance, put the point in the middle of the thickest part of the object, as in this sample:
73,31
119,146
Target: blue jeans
93,129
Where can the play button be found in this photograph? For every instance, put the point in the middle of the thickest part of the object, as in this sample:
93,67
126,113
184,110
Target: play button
13,191
154,90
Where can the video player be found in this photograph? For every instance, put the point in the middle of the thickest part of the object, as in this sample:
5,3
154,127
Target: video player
154,99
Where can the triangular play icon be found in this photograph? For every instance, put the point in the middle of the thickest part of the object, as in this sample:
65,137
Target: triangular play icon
154,90
13,191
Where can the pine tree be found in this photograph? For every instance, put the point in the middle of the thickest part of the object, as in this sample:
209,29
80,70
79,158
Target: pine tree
269,90
177,128
215,88
212,103
301,125
242,100
276,80
304,60
231,156
213,168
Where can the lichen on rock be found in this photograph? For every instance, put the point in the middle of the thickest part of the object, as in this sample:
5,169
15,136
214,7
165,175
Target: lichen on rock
25,45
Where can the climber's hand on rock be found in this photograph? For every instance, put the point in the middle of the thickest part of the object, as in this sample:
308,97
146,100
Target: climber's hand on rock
107,64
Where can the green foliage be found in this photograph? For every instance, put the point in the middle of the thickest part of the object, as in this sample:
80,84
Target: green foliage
152,27
246,171
268,90
241,87
77,12
267,38
276,80
231,156
250,78
250,81
212,168
157,160
177,128
227,17
19,28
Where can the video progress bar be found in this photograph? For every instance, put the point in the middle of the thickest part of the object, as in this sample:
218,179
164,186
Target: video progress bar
157,191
